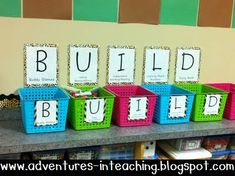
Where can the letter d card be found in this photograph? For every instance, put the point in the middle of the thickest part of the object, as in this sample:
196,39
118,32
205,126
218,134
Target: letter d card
212,104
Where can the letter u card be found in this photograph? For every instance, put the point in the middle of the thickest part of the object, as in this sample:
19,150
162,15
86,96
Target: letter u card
83,64
95,110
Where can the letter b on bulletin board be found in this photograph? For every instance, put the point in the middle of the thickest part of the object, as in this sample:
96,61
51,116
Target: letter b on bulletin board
40,64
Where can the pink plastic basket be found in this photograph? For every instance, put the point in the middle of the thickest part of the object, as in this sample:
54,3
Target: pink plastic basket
229,112
121,105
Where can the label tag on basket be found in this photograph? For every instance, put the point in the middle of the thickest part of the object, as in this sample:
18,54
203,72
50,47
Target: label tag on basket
95,110
188,65
138,107
212,104
156,65
46,113
121,65
40,65
83,64
178,106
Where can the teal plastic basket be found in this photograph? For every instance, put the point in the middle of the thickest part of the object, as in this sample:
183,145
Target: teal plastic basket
164,93
28,98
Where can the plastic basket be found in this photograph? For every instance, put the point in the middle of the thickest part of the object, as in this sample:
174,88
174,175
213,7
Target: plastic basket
186,143
201,91
164,92
216,143
229,111
121,110
11,156
77,114
28,98
116,152
48,155
83,153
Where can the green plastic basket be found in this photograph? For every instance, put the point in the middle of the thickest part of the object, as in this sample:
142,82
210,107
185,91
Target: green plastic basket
76,114
201,91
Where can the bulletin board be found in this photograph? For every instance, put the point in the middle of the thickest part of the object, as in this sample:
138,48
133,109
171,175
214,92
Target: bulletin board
216,44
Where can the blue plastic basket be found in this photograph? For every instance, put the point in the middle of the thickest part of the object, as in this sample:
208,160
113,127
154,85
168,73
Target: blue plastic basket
28,97
161,112
117,152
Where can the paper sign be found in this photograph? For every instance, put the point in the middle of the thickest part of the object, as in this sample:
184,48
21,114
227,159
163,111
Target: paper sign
121,65
95,110
156,65
138,108
46,113
188,65
41,65
212,104
178,106
83,65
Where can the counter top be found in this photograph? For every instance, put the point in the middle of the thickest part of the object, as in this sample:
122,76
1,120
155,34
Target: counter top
14,140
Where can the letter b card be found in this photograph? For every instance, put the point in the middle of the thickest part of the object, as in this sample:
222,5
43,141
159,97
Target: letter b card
40,64
46,113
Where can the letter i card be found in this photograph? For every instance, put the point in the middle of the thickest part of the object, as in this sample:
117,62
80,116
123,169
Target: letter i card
138,107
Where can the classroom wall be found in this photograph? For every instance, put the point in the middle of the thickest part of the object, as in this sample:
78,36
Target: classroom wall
217,46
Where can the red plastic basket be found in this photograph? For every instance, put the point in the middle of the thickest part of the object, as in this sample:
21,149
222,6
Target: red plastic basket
121,105
229,111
